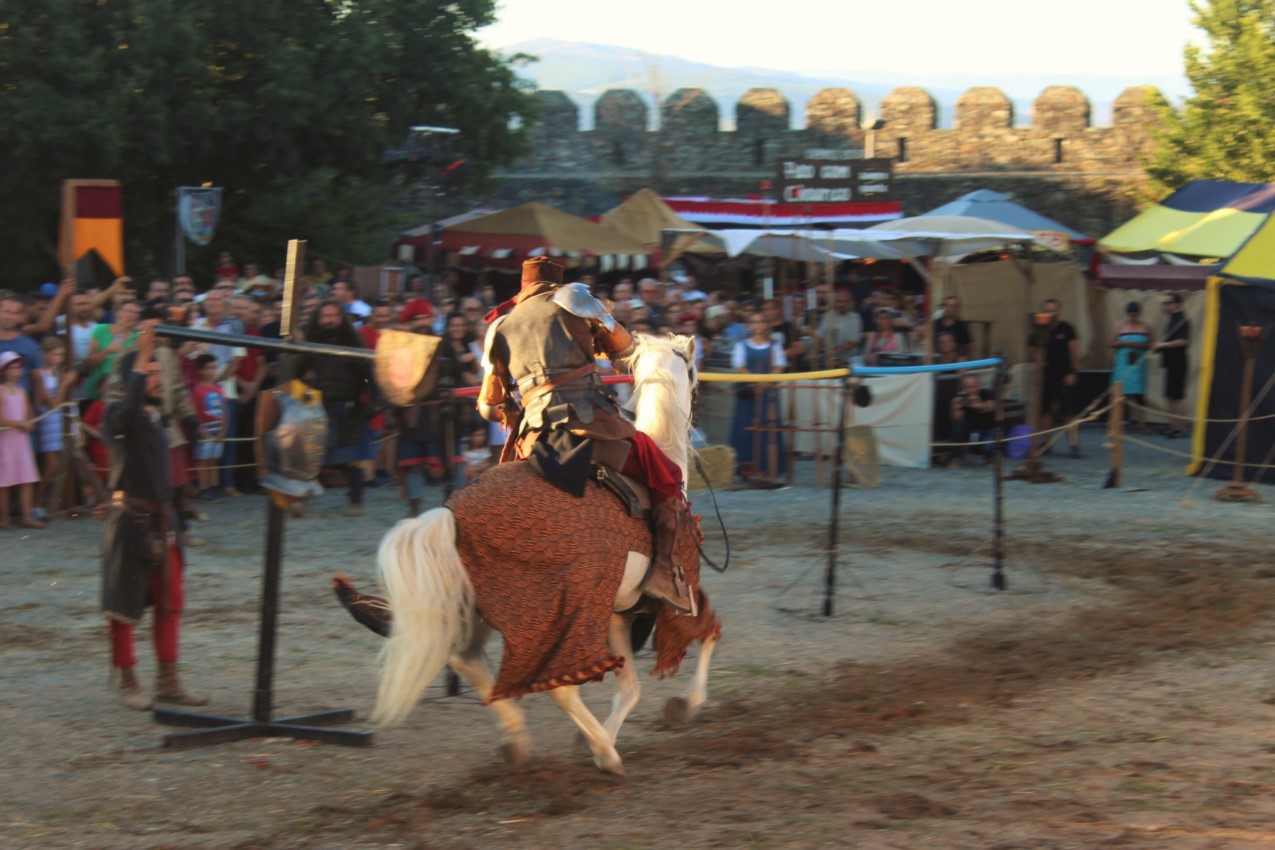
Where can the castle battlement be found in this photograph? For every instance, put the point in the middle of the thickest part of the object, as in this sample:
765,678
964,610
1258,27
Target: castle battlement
1059,133
1058,161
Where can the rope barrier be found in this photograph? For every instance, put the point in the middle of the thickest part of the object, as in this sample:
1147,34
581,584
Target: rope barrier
1213,460
858,371
45,415
1136,406
1078,421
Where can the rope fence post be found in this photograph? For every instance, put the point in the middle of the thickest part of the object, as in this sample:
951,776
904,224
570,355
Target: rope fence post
1251,338
998,478
830,576
1115,435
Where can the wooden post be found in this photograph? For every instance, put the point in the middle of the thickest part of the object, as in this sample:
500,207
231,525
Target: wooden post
1251,339
1115,434
290,318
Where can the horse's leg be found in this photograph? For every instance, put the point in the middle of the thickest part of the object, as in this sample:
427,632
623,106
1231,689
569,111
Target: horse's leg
683,708
604,755
627,686
472,663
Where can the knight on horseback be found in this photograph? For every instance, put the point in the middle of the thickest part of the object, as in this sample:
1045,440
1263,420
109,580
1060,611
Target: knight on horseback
543,344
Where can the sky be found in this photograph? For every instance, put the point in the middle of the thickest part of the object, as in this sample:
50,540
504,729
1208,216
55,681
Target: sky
1117,38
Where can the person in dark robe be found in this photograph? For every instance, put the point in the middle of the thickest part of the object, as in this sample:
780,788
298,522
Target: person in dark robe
346,385
142,561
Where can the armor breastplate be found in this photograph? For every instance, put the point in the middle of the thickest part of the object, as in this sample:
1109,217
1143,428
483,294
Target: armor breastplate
294,449
545,341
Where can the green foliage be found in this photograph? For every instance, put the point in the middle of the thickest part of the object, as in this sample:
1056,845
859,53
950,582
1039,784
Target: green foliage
286,104
1222,132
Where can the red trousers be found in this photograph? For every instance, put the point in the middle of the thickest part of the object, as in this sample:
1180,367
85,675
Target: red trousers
167,616
647,462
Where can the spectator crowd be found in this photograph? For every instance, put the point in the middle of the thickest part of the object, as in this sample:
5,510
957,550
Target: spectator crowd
59,346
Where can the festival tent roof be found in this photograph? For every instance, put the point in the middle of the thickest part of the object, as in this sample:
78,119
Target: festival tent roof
1160,277
997,206
534,229
761,212
1254,262
896,240
1203,219
952,234
644,217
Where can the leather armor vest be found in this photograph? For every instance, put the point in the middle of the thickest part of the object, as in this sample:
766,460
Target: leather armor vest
542,342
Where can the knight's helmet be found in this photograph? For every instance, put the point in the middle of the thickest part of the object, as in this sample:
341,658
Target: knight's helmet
293,451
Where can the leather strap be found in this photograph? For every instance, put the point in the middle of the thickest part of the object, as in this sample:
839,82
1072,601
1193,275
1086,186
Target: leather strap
562,380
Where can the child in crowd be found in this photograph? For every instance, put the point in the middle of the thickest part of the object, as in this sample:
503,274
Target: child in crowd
478,456
54,383
17,460
211,408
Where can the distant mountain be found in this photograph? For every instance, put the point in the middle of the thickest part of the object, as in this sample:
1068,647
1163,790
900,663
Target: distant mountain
586,71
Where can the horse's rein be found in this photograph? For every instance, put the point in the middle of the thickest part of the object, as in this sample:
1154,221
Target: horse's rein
716,509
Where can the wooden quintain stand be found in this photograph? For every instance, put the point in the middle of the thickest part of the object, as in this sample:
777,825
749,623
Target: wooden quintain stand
1251,339
216,729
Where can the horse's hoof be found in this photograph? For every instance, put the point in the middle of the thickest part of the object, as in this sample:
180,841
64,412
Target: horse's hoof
677,710
515,755
615,767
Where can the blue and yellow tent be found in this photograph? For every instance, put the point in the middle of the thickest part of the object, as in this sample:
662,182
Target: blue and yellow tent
1241,293
1204,220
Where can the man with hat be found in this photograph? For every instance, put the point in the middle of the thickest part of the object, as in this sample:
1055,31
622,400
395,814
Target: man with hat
543,342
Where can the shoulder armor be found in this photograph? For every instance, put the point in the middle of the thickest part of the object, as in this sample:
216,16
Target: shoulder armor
577,300
491,335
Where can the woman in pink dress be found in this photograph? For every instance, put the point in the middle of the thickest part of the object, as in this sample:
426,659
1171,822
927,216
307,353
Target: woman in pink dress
17,460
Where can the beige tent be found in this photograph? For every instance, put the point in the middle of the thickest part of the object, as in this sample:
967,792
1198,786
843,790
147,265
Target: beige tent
644,217
997,300
534,228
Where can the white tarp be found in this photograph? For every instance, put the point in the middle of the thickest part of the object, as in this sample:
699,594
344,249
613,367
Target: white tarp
902,412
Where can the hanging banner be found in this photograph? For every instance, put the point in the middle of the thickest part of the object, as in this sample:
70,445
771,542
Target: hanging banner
198,211
92,220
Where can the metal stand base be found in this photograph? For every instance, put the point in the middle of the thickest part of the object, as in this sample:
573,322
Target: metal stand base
1234,492
1034,472
213,729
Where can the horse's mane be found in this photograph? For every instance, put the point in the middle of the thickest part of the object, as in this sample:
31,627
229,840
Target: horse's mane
663,370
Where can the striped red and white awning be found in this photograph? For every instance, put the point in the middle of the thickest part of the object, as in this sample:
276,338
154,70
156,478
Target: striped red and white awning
764,213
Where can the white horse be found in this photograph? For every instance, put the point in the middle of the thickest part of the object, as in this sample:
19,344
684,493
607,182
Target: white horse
431,596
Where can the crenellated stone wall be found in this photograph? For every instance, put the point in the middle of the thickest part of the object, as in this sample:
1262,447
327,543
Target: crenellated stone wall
1058,162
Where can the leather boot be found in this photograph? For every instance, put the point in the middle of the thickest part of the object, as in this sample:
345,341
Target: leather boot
666,580
168,687
130,692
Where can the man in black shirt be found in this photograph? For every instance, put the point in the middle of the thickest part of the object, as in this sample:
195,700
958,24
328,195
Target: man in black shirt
1177,336
973,417
950,322
1058,379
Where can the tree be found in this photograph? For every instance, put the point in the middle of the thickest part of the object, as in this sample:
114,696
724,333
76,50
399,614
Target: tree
286,104
1222,132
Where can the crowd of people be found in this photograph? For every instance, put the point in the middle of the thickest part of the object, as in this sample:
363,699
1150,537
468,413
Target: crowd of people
59,346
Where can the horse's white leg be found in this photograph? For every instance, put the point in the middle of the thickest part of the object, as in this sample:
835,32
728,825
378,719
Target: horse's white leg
627,686
604,755
683,708
472,664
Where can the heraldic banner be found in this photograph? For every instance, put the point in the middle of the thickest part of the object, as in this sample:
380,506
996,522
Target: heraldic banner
198,210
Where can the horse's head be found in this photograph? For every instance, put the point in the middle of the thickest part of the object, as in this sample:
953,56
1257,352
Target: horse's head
664,380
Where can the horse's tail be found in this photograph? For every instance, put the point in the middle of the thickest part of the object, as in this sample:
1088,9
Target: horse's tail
432,603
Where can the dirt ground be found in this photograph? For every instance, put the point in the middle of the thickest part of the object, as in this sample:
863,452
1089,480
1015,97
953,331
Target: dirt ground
1119,694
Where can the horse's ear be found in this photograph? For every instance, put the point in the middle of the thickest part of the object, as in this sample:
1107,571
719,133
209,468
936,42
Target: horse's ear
688,342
